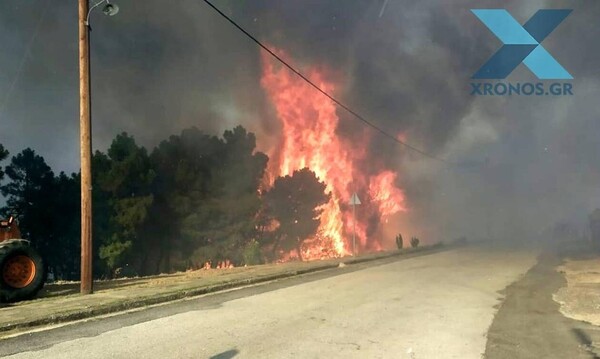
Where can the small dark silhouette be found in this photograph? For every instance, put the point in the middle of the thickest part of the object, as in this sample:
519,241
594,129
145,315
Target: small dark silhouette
399,241
414,242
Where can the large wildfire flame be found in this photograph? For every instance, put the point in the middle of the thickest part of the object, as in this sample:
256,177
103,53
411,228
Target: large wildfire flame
308,124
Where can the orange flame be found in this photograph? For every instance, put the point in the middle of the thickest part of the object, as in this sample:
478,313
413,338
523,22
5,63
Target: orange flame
385,194
309,139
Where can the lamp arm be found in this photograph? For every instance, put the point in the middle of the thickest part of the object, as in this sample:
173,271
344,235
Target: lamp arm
87,19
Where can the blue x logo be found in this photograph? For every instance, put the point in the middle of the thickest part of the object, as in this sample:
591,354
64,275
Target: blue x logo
522,44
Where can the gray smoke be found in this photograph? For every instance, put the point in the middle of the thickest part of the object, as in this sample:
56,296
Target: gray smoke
519,163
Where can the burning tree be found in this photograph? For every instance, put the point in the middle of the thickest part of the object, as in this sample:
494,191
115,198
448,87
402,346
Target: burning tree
309,138
295,203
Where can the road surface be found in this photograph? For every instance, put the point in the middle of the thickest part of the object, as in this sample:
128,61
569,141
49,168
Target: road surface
434,306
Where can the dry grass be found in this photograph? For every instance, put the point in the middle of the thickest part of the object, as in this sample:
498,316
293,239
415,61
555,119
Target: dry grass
580,299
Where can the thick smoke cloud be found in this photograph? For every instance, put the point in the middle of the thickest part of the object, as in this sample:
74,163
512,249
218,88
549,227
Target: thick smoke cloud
523,162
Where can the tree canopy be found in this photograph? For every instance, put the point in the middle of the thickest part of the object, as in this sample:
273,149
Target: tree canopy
294,202
194,198
3,155
32,196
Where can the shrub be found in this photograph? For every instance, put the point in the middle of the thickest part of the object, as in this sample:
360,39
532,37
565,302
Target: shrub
251,254
399,241
414,242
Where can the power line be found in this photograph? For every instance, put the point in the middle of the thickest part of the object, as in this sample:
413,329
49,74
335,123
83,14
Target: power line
336,101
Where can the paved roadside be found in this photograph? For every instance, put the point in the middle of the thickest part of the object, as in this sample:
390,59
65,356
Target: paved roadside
59,303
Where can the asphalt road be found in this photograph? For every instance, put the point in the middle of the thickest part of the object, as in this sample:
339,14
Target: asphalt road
434,306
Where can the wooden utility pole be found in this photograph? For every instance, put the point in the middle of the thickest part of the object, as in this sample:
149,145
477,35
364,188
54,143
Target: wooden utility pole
86,149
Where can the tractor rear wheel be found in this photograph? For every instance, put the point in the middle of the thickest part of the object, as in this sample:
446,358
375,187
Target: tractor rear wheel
22,271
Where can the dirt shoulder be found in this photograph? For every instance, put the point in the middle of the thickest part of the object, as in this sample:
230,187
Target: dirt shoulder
62,303
580,298
529,323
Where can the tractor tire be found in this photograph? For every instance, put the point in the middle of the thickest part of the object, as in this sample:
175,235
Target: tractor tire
22,271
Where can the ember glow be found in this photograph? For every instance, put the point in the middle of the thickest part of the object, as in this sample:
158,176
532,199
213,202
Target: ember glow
308,139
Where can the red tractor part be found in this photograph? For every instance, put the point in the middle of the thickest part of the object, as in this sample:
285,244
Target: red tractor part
22,269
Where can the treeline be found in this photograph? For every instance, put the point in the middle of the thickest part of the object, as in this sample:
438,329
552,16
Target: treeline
194,198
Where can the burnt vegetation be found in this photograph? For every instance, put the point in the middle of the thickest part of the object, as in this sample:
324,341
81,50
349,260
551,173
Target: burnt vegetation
194,198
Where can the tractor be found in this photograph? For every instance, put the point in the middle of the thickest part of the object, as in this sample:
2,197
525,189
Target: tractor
22,269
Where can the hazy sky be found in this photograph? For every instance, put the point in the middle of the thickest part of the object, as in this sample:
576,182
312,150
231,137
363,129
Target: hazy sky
158,67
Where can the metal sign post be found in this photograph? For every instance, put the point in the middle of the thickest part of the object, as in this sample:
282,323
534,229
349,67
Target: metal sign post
354,201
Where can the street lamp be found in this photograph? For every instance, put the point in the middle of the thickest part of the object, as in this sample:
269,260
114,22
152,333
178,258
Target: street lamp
85,137
109,9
